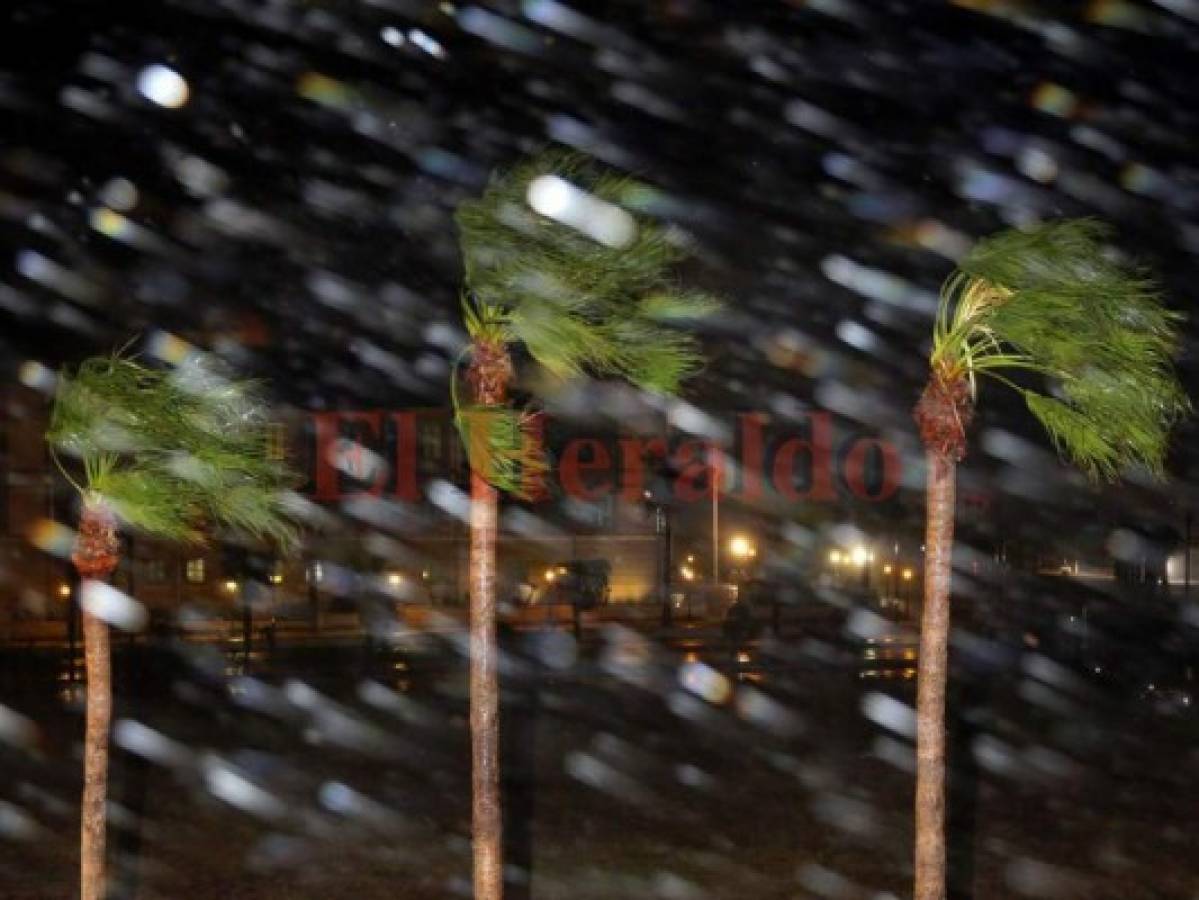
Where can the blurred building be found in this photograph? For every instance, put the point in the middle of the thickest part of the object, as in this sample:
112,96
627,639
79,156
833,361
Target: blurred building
391,533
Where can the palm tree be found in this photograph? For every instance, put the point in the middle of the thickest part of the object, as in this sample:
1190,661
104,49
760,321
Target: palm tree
560,260
164,453
1046,306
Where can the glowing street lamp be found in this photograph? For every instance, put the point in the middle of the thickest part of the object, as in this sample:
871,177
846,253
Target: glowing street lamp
742,548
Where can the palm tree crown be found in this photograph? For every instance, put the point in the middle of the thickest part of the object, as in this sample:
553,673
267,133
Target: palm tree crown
562,259
1052,302
169,451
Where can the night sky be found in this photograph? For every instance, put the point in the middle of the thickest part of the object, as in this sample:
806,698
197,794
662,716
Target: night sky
828,159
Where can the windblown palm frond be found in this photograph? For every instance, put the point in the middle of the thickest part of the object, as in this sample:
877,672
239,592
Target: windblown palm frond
1051,301
169,451
503,446
561,257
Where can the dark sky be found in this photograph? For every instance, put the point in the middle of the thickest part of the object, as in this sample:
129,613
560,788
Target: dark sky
829,159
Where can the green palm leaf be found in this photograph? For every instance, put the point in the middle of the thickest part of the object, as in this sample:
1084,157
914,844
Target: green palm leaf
585,289
1053,302
581,305
171,451
503,446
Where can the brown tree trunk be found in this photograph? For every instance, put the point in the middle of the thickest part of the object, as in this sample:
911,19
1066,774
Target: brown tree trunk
943,414
97,656
489,374
484,694
932,675
95,556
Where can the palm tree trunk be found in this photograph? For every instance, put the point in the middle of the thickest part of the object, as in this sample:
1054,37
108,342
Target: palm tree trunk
932,675
489,374
484,693
97,659
95,556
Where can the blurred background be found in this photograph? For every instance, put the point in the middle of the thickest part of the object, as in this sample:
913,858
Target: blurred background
708,681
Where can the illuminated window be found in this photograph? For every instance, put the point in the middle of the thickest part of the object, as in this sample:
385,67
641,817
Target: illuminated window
193,571
276,441
153,570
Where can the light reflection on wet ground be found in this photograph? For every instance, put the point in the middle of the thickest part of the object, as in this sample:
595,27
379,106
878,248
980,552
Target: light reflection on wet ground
635,768
890,657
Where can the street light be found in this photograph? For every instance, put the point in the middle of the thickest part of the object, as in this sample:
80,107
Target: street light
908,574
247,628
834,557
741,547
861,556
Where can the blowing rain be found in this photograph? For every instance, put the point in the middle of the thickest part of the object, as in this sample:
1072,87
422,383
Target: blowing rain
596,450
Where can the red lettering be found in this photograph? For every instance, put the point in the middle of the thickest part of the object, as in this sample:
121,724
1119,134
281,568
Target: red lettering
700,465
753,456
819,450
855,469
574,466
632,457
326,483
406,487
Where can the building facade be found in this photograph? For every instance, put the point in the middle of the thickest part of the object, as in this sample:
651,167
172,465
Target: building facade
387,496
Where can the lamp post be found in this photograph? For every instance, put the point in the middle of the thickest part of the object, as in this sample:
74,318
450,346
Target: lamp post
907,594
1186,559
662,526
658,498
862,558
714,475
742,549
70,594
835,558
234,589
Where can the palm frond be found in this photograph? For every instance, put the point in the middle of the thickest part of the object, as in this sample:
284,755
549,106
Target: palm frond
678,306
655,359
169,450
503,447
150,504
574,299
1053,302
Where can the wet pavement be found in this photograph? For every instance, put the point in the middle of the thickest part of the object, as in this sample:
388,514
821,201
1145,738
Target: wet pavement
692,768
